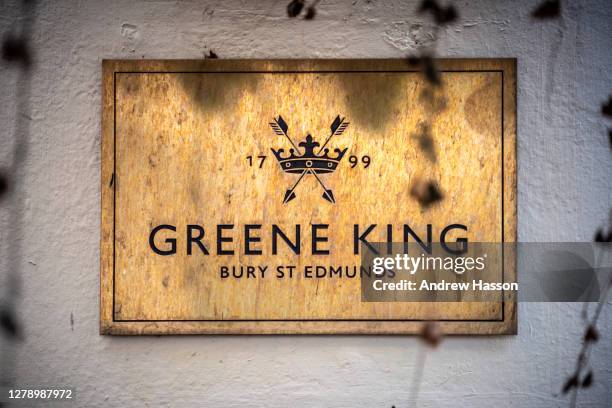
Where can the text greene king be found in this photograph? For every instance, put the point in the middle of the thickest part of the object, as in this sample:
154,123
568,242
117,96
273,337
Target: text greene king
257,239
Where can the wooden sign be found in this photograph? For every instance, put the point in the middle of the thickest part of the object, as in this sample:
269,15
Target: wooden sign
236,193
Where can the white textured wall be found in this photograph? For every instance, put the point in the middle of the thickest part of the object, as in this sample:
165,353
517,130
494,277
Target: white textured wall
564,182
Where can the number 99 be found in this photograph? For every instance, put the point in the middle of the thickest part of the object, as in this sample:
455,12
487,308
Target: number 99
354,161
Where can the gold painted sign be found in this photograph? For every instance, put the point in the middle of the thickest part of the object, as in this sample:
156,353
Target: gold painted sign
237,195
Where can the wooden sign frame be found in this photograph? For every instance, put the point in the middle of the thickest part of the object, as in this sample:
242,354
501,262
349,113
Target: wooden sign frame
109,324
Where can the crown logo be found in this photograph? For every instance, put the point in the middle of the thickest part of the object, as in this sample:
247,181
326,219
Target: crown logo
310,161
319,164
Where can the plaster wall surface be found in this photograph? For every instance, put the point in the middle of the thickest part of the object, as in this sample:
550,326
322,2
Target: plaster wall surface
49,225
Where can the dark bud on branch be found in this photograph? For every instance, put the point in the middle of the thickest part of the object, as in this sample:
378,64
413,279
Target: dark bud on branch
414,60
606,109
9,324
3,185
428,67
431,72
311,12
15,49
426,192
441,15
431,334
591,334
426,142
602,236
571,382
294,8
587,381
547,10
445,15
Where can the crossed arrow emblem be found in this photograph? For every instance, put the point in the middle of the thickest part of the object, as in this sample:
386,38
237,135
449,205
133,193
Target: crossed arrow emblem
309,162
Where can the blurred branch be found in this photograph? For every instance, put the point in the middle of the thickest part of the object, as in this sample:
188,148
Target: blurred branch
296,7
16,51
